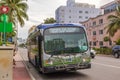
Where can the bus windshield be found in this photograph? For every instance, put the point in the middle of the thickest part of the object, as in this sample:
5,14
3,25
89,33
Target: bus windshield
65,40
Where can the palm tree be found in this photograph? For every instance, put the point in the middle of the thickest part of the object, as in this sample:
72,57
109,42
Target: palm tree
17,13
114,22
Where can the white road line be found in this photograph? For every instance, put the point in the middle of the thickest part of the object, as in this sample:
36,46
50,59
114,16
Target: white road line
106,65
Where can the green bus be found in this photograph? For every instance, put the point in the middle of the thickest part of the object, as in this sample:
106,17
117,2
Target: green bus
59,47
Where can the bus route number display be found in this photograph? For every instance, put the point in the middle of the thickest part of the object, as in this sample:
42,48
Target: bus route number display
63,30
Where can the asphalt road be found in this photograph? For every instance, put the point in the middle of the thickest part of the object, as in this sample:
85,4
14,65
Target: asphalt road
103,68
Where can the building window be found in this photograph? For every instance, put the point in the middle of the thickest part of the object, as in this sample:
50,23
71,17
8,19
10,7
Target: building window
110,42
101,21
106,11
80,16
90,43
69,10
100,31
80,11
94,43
94,32
86,17
62,10
101,43
62,21
86,12
94,23
69,16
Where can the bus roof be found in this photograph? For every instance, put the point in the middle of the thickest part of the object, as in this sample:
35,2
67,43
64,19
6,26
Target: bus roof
45,26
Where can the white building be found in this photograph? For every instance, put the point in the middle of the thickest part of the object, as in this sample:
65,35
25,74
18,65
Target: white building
76,12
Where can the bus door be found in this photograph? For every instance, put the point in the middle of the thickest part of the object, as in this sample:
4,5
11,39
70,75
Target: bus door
40,51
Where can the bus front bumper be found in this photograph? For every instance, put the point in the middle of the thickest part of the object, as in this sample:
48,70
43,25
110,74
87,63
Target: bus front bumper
68,67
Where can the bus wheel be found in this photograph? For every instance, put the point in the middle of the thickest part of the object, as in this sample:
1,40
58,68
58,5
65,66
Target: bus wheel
43,71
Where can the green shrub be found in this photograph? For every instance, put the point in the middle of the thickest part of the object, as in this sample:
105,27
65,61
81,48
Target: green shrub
106,51
118,42
0,43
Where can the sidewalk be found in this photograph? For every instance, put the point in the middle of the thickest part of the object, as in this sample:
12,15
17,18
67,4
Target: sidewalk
19,70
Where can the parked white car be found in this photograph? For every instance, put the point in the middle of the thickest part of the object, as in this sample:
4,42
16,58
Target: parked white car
92,53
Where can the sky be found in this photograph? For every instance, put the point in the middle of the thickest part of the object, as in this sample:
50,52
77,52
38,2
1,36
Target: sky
42,9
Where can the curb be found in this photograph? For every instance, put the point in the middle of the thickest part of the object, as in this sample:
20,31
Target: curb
31,76
104,55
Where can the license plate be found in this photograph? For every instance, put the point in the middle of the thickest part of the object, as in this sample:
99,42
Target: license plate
69,60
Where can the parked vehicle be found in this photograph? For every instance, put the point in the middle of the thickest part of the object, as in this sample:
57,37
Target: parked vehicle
116,51
92,53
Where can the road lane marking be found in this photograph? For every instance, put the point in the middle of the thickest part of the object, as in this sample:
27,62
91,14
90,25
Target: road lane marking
107,65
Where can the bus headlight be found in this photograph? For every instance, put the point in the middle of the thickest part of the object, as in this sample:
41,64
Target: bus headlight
49,62
84,60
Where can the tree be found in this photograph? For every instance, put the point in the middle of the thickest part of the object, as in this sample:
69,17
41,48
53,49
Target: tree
118,42
106,38
114,22
17,13
49,20
11,34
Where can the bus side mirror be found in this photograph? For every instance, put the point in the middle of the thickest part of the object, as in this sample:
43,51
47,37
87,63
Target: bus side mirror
40,38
